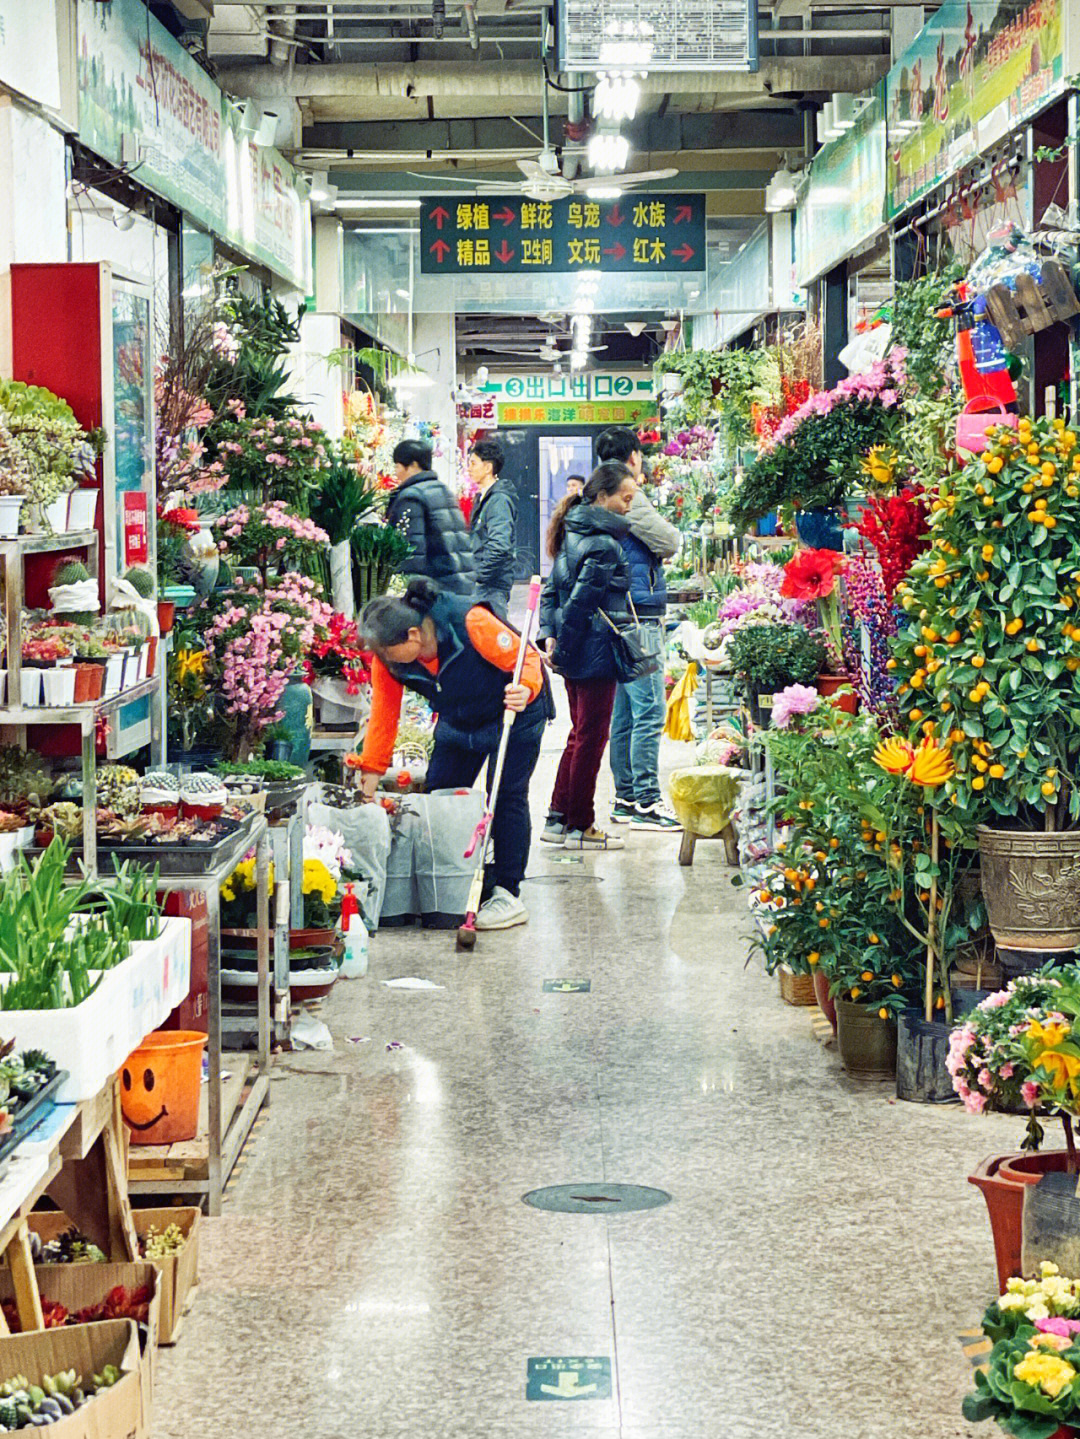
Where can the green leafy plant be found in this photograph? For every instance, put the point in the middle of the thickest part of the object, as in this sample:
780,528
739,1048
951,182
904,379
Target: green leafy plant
377,554
772,656
918,330
277,771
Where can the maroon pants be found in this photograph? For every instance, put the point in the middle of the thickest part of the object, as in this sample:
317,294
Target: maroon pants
591,702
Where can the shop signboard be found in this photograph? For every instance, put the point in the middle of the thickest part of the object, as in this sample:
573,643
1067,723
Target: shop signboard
577,412
510,234
137,83
29,50
606,385
978,69
843,205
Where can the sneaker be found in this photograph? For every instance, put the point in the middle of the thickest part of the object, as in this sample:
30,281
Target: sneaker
655,817
554,830
623,811
593,838
502,911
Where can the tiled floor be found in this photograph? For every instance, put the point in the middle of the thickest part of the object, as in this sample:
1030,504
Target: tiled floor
376,1274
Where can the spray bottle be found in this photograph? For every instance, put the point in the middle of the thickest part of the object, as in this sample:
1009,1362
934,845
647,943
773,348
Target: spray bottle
355,963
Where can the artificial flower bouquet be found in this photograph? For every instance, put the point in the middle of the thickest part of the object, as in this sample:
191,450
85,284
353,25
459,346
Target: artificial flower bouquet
1031,1383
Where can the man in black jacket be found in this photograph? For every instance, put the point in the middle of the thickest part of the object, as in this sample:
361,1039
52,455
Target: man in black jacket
493,526
430,518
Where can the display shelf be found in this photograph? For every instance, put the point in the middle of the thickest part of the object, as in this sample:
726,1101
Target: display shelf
47,544
151,1164
75,714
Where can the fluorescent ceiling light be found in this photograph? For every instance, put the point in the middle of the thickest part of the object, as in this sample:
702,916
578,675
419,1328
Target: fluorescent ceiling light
616,96
604,192
354,202
608,151
411,380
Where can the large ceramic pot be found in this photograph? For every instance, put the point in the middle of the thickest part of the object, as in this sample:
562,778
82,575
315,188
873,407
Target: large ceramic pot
824,999
1031,884
867,1042
297,715
820,529
921,1049
1002,1180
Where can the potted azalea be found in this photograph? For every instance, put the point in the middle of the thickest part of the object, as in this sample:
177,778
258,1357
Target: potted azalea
991,656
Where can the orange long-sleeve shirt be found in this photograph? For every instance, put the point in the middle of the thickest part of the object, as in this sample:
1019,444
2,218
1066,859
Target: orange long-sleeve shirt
490,638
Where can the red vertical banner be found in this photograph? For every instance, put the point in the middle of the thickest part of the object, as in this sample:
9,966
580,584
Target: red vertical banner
136,532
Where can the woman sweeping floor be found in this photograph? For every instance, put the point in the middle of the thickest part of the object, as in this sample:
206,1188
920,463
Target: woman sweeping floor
458,655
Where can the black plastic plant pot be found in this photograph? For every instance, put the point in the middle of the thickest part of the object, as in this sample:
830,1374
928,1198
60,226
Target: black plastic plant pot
921,1049
279,749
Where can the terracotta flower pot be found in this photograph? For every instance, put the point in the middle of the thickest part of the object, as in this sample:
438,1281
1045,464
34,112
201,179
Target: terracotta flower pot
821,994
1002,1179
827,685
166,614
151,656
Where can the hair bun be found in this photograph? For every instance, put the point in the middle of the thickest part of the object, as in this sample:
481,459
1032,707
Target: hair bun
421,593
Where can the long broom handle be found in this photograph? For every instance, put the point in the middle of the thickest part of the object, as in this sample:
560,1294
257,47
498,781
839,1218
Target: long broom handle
509,715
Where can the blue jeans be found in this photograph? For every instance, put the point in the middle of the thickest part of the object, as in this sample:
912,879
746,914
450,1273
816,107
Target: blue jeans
637,722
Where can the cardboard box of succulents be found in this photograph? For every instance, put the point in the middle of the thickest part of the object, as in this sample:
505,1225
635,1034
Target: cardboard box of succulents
179,1271
64,1365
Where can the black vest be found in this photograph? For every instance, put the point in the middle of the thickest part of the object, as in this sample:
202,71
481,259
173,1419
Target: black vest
468,693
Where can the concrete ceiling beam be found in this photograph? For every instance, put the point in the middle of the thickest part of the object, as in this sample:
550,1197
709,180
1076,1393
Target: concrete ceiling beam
517,79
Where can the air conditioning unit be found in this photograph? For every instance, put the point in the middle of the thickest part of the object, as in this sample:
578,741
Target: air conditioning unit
657,35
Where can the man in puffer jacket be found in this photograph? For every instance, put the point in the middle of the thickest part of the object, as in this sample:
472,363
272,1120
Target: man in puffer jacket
637,720
428,515
493,526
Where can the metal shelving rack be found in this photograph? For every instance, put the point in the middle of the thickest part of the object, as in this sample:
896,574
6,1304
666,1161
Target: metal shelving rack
13,552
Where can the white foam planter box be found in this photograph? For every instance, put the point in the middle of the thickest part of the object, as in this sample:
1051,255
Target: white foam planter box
92,1040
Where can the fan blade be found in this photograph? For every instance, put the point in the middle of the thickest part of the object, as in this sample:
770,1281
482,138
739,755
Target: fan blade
625,182
533,170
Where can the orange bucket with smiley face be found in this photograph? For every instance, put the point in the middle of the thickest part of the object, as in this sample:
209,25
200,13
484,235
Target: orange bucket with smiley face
160,1085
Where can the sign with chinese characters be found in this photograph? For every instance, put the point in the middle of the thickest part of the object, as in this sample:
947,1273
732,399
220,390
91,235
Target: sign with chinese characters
843,204
518,236
581,385
578,412
977,70
137,81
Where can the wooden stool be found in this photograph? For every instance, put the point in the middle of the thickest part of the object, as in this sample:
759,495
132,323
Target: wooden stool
727,834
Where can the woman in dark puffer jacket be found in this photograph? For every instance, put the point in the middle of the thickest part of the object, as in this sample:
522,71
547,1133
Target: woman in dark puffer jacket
589,579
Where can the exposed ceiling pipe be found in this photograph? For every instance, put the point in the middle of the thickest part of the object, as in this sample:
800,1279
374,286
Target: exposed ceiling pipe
281,50
468,19
575,121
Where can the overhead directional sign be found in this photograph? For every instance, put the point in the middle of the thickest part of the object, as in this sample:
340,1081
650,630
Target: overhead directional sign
518,236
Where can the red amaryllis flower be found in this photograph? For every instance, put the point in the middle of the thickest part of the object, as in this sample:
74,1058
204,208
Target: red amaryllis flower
811,574
182,518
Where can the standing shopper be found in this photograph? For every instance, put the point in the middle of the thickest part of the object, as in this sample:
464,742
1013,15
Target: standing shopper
493,526
588,580
428,515
458,655
637,720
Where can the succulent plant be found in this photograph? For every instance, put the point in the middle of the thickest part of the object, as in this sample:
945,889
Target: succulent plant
200,783
141,581
161,779
65,818
73,572
118,789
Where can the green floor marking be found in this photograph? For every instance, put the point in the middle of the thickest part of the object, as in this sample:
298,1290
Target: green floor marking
553,1378
567,986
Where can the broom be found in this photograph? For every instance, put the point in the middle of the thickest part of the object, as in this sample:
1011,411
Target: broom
466,935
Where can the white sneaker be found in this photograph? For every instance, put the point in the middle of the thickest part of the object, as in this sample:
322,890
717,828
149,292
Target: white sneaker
592,838
655,817
502,911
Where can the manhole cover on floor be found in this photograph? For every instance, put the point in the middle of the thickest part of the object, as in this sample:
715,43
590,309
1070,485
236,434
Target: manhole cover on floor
596,1198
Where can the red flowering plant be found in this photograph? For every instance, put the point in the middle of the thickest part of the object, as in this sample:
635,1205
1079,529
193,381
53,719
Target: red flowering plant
811,576
175,527
336,651
898,528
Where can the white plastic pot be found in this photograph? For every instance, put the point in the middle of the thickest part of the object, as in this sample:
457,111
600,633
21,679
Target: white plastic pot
59,685
82,509
3,687
7,851
10,509
30,681
56,515
114,676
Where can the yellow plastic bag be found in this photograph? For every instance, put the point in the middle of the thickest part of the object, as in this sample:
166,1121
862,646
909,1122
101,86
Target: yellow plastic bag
704,797
677,721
